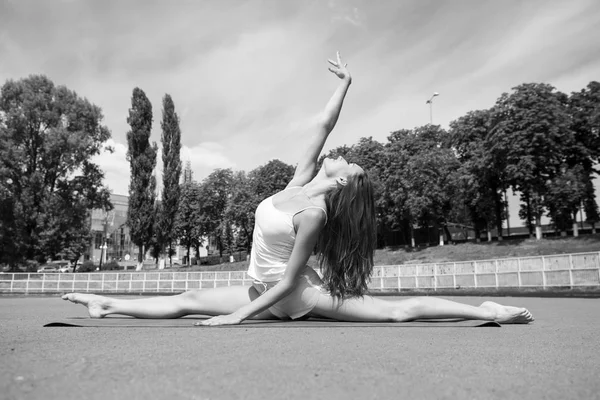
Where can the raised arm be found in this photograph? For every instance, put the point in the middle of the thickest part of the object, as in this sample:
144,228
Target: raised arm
305,170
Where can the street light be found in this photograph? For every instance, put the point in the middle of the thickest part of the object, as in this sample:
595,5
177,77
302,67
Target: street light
430,102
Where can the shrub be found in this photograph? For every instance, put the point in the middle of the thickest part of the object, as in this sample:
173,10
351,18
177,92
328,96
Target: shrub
31,266
87,266
111,265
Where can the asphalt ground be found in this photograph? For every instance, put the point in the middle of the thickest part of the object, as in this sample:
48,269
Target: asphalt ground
556,357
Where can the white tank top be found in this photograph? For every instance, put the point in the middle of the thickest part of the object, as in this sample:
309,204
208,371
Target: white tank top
272,241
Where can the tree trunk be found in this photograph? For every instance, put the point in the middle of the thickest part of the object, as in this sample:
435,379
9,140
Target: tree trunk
140,263
170,256
499,206
529,216
448,234
197,249
248,238
575,229
538,227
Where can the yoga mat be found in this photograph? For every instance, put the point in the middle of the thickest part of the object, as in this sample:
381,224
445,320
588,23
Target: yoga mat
127,322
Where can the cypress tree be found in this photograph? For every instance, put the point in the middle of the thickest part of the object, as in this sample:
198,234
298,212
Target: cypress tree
142,160
171,148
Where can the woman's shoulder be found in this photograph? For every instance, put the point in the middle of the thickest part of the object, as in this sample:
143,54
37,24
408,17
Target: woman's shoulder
286,193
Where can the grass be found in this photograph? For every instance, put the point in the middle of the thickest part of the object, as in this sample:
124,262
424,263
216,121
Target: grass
486,251
458,252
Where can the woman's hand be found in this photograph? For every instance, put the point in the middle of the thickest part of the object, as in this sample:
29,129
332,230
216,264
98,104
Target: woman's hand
230,319
339,68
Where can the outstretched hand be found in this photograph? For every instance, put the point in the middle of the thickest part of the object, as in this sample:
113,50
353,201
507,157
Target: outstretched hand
339,68
229,319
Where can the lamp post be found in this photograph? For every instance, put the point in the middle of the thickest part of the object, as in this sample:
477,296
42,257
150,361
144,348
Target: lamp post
430,102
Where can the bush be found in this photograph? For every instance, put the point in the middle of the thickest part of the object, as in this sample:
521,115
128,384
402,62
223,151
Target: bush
87,266
111,265
31,266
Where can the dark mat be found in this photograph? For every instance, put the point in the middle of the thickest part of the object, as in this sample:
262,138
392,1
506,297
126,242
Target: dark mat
187,322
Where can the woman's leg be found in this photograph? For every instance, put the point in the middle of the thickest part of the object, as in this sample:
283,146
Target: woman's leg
370,308
218,301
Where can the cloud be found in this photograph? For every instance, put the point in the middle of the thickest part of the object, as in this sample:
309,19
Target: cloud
115,167
247,76
206,157
345,12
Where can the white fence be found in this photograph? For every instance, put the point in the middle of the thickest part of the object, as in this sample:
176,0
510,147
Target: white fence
581,270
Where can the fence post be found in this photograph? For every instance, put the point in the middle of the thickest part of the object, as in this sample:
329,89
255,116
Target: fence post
475,273
43,281
416,277
571,270
454,275
543,272
27,283
434,276
519,271
496,273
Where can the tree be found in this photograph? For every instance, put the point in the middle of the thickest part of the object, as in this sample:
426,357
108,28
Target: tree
69,236
563,197
214,193
270,178
481,180
48,136
142,160
241,206
531,133
171,147
421,178
188,219
396,215
584,108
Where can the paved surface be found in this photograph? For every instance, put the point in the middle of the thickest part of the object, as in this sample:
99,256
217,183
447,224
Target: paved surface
557,357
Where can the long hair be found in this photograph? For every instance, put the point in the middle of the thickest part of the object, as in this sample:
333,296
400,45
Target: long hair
348,240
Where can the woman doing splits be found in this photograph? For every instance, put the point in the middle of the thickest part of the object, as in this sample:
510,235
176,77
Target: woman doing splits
331,210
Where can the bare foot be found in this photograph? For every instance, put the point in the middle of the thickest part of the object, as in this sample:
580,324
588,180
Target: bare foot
507,314
97,305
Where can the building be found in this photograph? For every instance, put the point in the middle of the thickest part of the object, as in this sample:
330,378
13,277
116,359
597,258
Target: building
112,226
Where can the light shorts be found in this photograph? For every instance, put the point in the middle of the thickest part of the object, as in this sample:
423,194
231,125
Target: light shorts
303,298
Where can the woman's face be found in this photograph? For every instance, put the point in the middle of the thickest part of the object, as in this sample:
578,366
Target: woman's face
339,167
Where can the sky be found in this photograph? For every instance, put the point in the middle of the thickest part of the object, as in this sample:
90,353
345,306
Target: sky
248,77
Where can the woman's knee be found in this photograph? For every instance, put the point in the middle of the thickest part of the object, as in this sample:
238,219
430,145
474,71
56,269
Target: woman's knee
190,297
407,310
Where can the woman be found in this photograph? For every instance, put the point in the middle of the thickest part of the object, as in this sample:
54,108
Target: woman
333,210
